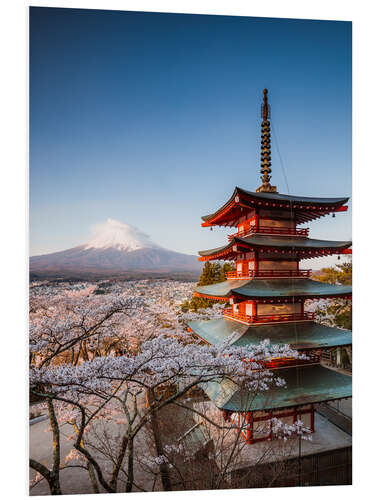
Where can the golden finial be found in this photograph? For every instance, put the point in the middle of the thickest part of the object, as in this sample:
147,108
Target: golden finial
265,163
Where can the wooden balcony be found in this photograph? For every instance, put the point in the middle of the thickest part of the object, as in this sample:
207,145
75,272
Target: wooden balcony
283,362
266,318
270,230
269,274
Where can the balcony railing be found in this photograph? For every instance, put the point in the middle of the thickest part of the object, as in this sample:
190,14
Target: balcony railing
275,231
267,318
282,362
269,273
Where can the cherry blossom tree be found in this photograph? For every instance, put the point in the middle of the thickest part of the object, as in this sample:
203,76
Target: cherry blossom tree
107,365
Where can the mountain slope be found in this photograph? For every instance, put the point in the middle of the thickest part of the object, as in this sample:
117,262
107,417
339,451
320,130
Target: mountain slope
115,248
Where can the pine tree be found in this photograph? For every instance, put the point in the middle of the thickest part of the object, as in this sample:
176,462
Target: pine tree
339,310
212,273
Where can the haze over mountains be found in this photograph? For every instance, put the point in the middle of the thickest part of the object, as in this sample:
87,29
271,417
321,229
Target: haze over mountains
116,249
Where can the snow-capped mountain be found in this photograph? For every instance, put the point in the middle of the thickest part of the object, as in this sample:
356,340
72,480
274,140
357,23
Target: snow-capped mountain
114,248
115,234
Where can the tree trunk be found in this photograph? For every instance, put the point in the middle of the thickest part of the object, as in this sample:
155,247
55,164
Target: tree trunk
52,479
130,480
120,458
55,472
165,479
90,468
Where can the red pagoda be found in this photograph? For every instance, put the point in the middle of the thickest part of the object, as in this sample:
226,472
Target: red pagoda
267,294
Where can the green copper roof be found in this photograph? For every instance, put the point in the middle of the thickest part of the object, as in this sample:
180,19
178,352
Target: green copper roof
334,202
304,385
286,287
223,289
299,335
287,242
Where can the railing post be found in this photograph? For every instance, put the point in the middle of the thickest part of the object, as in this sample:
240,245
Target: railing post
249,427
294,415
312,419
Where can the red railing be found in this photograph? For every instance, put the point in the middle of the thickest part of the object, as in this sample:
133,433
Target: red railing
269,273
280,231
280,362
267,318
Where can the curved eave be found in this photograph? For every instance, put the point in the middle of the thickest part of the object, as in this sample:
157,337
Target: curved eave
273,289
305,208
304,385
302,336
211,297
220,290
304,247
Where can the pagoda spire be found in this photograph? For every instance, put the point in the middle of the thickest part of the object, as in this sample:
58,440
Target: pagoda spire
265,162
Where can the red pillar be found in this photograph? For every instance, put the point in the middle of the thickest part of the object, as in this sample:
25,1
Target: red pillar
256,262
312,419
249,428
294,415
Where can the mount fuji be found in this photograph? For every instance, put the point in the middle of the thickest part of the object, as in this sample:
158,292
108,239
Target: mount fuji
116,249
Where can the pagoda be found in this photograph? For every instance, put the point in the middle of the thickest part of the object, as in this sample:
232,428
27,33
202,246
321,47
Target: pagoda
267,294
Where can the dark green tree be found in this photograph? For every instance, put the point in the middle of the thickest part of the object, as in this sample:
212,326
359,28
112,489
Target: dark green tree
339,311
212,273
340,274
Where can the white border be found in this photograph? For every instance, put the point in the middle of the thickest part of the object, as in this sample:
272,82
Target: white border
14,147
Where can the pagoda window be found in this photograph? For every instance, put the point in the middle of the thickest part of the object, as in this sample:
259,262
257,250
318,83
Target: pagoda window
265,265
249,309
251,264
277,214
274,309
268,222
242,267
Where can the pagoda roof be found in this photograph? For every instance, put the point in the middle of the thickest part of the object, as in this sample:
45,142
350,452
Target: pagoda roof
299,335
268,288
304,385
264,242
305,208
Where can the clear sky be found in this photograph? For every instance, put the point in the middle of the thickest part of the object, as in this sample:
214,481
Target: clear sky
153,119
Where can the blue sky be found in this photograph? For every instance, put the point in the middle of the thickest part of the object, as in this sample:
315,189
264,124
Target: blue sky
153,119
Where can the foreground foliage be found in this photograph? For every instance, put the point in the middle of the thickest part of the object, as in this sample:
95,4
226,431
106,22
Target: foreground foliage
337,312
107,366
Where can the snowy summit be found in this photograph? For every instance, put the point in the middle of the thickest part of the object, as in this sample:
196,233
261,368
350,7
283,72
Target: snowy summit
115,247
116,234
